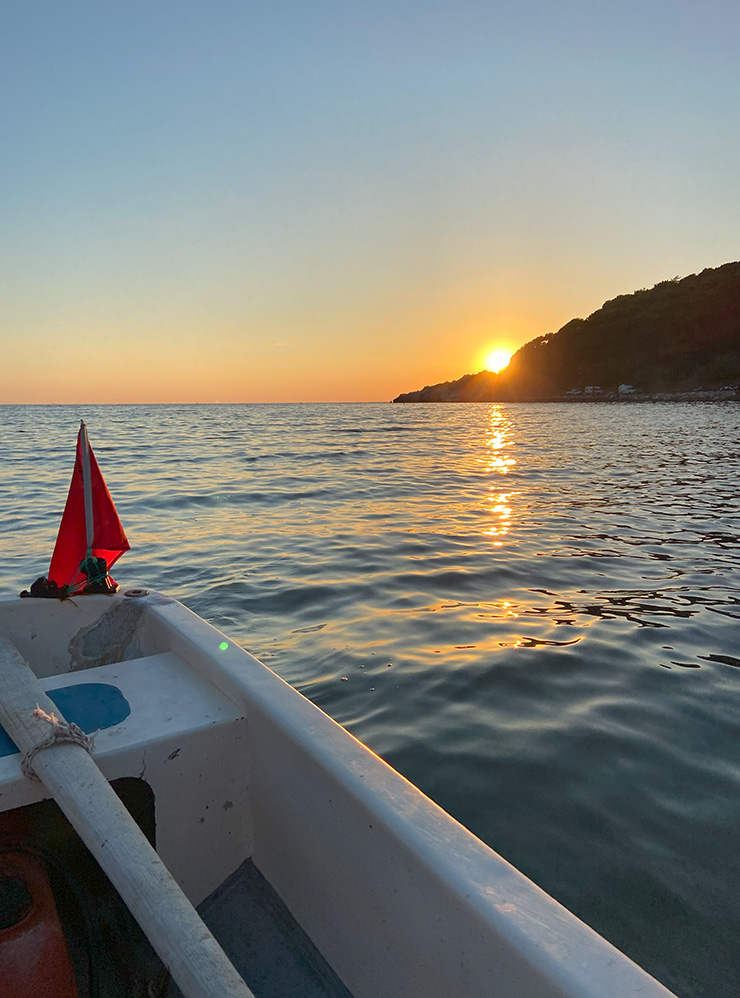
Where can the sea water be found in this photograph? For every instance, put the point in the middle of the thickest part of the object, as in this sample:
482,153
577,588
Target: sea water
531,611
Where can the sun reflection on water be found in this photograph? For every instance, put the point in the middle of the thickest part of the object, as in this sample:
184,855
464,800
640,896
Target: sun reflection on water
498,461
500,439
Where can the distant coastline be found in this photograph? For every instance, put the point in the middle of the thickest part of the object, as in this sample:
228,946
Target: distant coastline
710,395
677,341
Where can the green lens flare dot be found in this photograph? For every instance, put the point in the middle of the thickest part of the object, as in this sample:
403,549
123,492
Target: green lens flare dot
224,645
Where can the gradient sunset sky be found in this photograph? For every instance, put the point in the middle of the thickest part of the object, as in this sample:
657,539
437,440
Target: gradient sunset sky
298,201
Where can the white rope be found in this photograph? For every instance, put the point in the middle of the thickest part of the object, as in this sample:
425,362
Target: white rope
61,731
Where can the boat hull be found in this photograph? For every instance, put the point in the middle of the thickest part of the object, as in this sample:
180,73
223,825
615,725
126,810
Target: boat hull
398,897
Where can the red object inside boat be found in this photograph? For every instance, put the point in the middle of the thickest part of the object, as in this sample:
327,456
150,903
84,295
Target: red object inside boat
34,960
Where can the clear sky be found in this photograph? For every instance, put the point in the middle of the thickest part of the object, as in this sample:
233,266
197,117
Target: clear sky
299,200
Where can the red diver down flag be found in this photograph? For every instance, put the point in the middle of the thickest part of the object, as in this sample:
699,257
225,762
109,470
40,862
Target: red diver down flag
107,537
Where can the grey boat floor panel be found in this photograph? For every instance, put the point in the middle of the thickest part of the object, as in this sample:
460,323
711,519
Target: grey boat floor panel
264,942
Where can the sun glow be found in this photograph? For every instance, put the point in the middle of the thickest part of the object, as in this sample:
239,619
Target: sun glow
496,360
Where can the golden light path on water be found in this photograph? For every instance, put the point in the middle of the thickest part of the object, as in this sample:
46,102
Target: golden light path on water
498,461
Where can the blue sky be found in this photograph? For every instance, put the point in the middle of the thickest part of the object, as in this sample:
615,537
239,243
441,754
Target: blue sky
287,201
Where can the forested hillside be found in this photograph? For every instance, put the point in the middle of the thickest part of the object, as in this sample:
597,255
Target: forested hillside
674,337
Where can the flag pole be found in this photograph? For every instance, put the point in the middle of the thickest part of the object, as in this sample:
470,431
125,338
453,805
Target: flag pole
87,487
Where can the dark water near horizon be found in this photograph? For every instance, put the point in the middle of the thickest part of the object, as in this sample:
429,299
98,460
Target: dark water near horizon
531,611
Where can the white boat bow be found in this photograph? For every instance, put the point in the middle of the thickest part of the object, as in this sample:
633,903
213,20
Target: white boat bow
249,783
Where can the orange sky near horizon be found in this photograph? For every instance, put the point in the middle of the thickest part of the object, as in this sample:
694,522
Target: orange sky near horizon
200,362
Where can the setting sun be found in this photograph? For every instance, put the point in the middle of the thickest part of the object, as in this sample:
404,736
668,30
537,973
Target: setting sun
496,360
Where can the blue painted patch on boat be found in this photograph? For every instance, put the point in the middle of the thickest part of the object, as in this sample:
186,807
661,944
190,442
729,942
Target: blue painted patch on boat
92,706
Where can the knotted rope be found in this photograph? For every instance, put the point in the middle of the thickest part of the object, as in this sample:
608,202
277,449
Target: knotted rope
61,731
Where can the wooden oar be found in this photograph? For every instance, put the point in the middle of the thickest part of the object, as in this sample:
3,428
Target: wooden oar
185,945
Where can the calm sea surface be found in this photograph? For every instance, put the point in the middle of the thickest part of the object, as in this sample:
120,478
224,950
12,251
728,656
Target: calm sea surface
531,611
